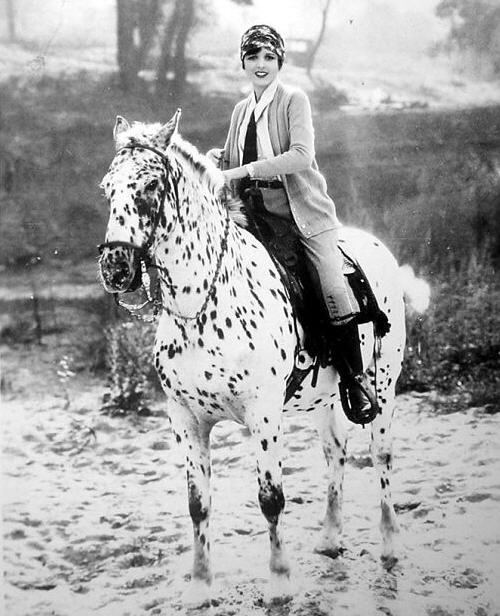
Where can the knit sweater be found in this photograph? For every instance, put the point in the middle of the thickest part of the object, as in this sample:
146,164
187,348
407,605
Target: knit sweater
292,139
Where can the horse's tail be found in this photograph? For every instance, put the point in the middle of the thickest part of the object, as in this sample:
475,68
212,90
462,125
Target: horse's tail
417,291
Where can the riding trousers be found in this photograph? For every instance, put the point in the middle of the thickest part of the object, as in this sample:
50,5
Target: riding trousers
324,261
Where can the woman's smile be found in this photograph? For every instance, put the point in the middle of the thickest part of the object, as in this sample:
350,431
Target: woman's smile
261,68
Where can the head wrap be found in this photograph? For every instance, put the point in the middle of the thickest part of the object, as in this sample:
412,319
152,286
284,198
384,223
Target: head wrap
262,36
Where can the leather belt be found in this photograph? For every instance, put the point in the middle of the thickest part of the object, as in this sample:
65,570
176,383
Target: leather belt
265,184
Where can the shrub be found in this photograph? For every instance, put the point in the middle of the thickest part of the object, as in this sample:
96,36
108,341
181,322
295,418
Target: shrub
131,379
455,346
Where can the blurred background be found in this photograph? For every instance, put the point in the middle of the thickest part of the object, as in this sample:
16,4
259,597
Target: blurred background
406,101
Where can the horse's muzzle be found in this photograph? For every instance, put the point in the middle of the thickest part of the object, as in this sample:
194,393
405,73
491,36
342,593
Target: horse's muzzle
119,272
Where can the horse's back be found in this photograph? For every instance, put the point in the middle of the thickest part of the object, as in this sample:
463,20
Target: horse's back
380,267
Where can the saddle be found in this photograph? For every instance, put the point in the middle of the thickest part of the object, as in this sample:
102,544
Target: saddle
282,240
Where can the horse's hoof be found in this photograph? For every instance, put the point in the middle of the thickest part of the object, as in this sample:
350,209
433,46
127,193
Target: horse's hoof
279,590
197,594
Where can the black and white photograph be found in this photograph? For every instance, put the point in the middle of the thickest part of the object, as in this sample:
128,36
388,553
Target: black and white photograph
250,307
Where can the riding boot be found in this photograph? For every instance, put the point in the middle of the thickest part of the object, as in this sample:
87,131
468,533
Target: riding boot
358,400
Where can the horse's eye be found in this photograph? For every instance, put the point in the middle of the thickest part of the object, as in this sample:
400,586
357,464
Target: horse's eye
152,185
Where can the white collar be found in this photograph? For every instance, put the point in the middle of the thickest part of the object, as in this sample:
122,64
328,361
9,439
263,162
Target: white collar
267,96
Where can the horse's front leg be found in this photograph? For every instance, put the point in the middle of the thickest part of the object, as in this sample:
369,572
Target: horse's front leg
266,430
333,439
194,439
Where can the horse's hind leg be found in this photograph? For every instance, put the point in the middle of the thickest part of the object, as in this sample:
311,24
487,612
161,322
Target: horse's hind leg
381,452
333,438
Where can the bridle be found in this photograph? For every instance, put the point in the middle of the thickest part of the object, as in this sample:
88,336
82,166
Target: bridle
142,253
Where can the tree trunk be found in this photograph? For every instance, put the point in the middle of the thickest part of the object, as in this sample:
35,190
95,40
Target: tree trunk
180,66
167,43
316,46
127,55
148,19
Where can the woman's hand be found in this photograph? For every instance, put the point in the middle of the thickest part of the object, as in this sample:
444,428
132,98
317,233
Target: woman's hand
234,174
215,155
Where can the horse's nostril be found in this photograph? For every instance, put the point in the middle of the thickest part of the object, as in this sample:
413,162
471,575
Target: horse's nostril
121,273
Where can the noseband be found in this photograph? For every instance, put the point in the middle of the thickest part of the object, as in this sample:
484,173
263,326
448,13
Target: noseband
142,251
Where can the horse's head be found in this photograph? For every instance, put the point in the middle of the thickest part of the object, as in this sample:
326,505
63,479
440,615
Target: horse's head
136,187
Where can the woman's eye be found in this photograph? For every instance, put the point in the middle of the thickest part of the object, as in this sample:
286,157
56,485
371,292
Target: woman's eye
152,185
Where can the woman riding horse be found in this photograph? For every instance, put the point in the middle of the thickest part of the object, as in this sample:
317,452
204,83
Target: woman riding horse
270,147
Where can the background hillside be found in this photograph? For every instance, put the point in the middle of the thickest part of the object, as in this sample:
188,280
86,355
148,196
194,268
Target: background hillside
407,138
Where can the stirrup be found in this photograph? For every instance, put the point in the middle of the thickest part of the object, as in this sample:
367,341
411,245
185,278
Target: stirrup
355,387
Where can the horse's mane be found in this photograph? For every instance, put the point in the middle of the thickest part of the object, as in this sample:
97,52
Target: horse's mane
140,132
198,162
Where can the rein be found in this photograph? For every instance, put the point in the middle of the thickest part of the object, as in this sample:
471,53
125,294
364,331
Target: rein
145,259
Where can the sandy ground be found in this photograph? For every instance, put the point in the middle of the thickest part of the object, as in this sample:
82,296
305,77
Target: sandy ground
100,525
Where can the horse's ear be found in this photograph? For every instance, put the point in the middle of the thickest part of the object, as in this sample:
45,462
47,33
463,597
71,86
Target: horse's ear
121,125
169,129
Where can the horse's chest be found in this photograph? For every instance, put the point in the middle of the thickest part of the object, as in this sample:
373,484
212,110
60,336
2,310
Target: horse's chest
219,361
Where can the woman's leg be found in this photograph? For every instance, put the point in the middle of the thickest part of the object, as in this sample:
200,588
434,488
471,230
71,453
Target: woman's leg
325,264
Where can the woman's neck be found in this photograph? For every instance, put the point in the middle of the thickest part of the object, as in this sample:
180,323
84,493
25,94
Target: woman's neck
258,92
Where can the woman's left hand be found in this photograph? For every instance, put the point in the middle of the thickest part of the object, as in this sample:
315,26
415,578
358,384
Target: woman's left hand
234,174
227,178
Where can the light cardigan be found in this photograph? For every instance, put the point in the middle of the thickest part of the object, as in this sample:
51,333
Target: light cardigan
292,139
260,110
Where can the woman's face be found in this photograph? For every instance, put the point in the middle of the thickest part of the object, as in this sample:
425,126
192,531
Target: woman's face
261,68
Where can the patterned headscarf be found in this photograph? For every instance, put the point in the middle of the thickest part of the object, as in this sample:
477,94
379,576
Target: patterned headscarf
262,36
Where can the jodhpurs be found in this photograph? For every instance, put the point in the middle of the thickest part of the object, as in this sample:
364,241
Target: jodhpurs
324,261
325,267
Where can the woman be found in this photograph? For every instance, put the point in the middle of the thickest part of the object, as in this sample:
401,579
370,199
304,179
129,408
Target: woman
270,145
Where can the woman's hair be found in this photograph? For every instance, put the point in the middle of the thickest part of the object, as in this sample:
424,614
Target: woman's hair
262,37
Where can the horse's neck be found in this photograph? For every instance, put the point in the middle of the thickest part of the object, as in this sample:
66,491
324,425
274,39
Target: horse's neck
190,254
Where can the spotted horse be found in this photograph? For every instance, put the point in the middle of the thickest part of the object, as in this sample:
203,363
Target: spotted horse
226,339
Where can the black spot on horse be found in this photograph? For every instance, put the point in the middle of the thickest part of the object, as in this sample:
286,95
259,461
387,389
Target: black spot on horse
271,502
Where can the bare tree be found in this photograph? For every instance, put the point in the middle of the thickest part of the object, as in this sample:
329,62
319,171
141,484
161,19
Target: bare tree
167,44
136,31
319,38
474,27
140,23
